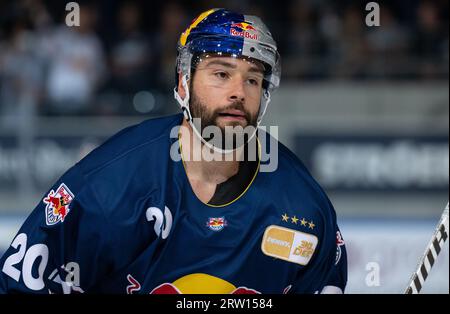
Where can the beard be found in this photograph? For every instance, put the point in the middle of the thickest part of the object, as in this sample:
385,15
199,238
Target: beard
232,134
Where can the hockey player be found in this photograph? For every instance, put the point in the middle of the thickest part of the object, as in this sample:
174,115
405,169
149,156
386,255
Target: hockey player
131,217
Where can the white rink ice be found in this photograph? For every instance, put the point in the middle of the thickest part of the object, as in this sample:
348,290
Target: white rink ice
396,246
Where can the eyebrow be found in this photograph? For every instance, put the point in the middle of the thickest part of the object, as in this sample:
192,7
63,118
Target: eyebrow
254,68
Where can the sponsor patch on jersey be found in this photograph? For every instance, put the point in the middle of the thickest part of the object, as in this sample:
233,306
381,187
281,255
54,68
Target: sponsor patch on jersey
289,245
57,205
339,242
216,223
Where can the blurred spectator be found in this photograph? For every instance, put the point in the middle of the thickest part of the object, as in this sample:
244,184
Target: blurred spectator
62,70
172,23
132,63
305,46
388,45
21,72
350,50
431,42
131,56
75,65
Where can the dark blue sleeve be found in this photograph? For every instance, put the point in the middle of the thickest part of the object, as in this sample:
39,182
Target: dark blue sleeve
327,270
63,246
338,276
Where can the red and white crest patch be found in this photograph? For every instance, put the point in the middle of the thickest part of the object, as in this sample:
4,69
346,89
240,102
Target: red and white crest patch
57,205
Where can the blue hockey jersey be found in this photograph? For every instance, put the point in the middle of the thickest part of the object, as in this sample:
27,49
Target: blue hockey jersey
125,220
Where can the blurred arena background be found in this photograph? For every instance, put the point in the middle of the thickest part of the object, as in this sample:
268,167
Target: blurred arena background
366,108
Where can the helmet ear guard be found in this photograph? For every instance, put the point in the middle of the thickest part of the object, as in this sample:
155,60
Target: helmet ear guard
183,102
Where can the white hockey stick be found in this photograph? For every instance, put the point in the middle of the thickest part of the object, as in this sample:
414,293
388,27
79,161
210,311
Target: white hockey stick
429,257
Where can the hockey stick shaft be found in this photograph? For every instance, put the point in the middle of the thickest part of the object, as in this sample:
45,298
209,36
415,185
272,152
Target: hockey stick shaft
428,259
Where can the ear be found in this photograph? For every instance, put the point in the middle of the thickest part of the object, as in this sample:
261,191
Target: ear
181,90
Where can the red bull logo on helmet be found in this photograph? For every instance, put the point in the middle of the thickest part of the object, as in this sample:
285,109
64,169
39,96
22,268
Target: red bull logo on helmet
244,30
57,204
201,284
243,26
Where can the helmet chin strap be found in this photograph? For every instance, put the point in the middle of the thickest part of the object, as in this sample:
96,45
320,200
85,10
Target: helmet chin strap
184,104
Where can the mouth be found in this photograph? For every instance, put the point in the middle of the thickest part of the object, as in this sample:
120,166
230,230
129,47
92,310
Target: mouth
233,114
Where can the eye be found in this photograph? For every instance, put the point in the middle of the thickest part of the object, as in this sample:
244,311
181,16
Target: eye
253,81
221,75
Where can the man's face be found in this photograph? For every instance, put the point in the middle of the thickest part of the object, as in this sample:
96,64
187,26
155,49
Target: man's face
226,91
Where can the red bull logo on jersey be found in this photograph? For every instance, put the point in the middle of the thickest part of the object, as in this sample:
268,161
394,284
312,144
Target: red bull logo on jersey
134,285
201,284
216,224
244,30
57,205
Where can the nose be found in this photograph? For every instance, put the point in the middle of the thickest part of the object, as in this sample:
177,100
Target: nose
237,91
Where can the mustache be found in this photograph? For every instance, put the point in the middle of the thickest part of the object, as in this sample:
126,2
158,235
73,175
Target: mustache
238,105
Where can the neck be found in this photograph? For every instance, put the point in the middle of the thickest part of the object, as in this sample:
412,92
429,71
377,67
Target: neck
203,163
